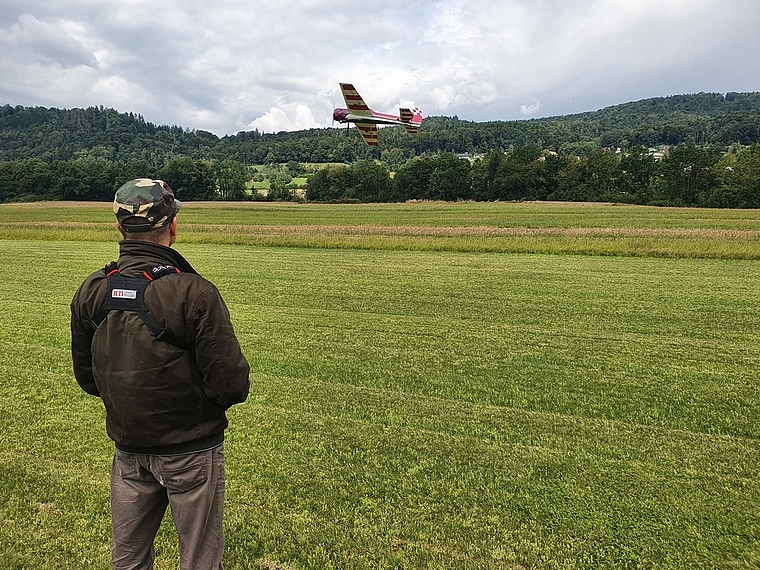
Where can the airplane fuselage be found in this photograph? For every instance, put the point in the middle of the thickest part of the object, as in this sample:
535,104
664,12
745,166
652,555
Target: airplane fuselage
345,116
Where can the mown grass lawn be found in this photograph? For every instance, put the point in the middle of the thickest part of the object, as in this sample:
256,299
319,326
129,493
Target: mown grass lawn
413,407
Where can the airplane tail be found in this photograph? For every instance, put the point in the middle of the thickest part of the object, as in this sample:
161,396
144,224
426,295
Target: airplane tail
412,119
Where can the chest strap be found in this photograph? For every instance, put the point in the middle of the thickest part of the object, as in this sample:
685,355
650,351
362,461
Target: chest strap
128,294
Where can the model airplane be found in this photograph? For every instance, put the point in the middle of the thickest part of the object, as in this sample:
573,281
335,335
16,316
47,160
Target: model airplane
366,120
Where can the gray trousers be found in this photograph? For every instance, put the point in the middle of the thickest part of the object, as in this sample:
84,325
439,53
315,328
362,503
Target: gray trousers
141,488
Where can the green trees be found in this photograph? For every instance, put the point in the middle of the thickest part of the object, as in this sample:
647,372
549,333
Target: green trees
34,178
231,177
638,172
364,181
483,175
688,175
607,155
451,179
98,179
745,187
593,179
96,133
331,184
373,182
521,175
413,178
279,181
190,179
295,168
738,179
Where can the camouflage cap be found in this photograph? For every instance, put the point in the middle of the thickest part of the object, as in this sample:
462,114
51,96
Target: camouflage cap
144,204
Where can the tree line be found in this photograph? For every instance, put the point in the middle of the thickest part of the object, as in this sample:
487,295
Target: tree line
685,175
98,179
688,175
98,133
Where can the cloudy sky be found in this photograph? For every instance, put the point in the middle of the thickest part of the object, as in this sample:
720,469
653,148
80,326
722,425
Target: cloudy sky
232,65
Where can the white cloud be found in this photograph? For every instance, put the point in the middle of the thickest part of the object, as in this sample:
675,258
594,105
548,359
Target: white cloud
116,91
531,109
443,97
289,119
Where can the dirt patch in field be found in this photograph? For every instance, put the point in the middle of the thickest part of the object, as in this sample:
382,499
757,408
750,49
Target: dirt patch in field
477,231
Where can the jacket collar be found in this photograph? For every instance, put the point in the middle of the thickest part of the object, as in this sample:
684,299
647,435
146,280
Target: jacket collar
134,254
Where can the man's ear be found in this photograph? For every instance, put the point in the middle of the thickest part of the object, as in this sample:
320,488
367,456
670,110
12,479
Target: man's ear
120,229
173,229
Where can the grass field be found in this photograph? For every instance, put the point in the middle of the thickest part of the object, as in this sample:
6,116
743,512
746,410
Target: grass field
532,227
464,386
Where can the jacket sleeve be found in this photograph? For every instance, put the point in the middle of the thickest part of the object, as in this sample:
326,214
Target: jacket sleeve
81,342
218,355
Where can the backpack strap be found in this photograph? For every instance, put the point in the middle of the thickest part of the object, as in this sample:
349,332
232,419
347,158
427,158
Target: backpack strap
128,294
162,334
110,269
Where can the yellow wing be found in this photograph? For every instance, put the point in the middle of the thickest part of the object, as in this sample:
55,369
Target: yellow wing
368,132
354,101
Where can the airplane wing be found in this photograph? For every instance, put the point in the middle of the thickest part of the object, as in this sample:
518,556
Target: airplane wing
368,132
354,101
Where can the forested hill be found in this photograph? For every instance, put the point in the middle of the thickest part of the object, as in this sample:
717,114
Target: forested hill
102,133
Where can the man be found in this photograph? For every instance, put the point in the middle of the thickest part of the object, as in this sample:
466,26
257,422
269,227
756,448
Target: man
153,339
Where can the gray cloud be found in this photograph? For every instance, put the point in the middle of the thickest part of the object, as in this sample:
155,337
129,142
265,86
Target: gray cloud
241,64
33,41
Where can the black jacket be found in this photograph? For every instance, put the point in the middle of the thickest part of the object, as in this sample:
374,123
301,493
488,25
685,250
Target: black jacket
159,399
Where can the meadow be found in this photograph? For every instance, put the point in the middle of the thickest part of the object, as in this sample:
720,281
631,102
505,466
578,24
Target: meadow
433,385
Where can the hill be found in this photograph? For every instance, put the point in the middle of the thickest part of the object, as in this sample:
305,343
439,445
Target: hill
102,133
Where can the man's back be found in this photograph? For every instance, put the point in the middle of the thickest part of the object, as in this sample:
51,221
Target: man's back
159,396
